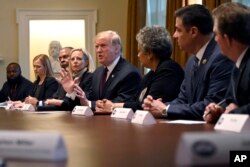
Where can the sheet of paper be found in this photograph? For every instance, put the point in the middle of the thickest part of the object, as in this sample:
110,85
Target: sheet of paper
3,104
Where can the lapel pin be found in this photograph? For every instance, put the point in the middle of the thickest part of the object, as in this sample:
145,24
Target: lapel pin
204,61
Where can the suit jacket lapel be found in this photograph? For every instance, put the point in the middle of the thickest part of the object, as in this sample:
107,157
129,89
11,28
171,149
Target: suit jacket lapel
188,79
205,58
112,76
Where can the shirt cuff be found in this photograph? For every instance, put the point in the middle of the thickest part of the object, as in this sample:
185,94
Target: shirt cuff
71,95
90,105
40,103
167,107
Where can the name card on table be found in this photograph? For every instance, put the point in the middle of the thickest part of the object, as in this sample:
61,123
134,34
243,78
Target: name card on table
233,122
82,110
32,146
143,117
123,113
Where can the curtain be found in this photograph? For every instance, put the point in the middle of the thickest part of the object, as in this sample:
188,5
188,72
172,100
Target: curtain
156,12
178,55
213,4
136,21
245,2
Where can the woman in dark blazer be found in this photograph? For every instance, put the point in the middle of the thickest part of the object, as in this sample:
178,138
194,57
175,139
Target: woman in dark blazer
81,67
45,84
165,76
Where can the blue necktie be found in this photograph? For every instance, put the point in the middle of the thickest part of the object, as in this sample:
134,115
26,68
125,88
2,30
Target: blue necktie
194,72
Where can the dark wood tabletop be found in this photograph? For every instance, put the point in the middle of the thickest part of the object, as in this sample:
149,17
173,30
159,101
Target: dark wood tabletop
102,141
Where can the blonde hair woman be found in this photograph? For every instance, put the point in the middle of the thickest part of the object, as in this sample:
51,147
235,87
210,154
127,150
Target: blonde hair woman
45,84
86,63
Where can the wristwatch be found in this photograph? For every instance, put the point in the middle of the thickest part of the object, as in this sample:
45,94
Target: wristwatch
164,112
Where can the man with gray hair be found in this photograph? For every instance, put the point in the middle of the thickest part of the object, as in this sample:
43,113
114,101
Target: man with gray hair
116,79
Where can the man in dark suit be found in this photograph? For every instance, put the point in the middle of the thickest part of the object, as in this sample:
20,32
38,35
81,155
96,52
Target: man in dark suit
207,72
164,77
64,58
16,87
230,18
116,79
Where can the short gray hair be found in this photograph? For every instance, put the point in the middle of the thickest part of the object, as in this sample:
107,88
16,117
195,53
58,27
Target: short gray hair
157,40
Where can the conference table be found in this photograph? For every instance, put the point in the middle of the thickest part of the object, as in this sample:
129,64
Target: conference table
102,141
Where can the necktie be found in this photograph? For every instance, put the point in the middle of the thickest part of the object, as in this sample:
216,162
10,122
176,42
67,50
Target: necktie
103,79
194,72
196,64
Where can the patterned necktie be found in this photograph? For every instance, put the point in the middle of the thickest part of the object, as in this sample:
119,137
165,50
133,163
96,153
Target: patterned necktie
103,79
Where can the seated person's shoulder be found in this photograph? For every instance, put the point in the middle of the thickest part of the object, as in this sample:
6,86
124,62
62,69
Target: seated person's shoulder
51,80
129,67
170,64
26,81
89,74
221,59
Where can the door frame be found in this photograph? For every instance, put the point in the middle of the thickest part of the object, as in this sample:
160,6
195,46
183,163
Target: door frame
23,17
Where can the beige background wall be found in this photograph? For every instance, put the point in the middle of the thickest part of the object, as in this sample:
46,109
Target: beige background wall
111,14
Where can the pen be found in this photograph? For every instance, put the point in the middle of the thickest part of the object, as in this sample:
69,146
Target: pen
218,104
221,102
